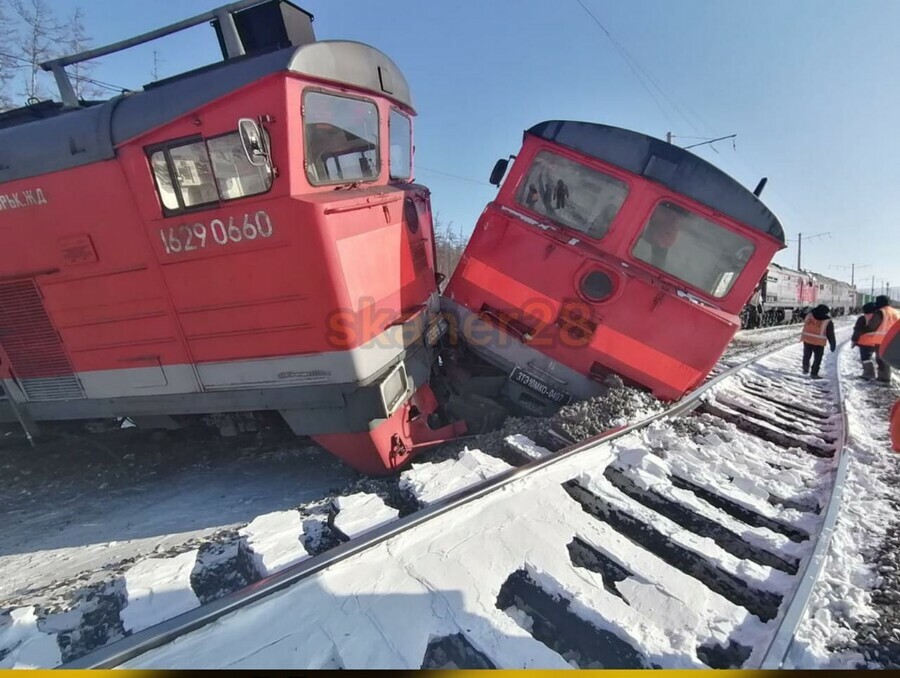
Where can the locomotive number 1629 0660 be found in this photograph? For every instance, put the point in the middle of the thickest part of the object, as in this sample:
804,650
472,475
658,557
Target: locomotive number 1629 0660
190,237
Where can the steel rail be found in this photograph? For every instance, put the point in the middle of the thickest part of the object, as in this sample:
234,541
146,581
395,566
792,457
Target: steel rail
781,643
117,653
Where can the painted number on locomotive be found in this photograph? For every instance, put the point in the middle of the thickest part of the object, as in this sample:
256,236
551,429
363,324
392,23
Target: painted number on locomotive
190,237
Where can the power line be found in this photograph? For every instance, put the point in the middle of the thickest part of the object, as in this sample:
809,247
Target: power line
635,66
84,78
627,59
453,176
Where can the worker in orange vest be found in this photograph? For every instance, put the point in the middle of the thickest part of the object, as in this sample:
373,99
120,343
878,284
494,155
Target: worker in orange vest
866,342
818,330
890,354
883,319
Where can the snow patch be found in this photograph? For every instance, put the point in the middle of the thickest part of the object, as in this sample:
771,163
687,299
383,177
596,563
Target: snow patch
526,446
429,483
358,513
23,645
276,540
158,589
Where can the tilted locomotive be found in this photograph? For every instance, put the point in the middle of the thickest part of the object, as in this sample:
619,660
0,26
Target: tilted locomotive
239,238
249,237
608,252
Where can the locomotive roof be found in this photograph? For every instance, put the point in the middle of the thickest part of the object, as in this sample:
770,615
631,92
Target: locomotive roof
669,165
73,137
810,274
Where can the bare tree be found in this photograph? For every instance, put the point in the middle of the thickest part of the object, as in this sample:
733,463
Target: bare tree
8,59
450,245
77,41
38,41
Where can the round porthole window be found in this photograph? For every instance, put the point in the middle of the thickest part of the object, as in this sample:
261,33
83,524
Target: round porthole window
411,215
596,286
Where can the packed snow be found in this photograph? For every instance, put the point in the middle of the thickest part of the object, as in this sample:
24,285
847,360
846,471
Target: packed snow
526,447
158,589
842,598
361,512
431,482
276,540
23,645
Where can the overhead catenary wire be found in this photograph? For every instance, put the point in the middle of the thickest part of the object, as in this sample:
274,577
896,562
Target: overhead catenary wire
642,73
452,176
633,66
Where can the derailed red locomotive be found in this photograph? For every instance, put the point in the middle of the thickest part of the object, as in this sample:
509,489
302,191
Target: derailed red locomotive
249,237
239,238
608,252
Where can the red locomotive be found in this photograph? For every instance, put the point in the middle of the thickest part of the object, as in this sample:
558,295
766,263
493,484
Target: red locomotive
238,238
608,252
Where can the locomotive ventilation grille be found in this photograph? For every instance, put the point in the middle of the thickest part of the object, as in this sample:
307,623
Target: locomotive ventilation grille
33,346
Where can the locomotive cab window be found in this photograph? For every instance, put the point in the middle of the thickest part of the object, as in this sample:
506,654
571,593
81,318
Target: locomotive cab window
235,176
341,139
401,145
692,249
571,194
205,172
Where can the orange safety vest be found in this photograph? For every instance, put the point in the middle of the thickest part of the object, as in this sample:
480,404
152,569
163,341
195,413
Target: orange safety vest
867,339
889,316
814,331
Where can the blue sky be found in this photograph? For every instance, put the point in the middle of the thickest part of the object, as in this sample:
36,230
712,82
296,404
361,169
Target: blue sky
810,87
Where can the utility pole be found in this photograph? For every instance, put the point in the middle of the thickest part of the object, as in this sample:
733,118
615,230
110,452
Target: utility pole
800,240
668,137
852,268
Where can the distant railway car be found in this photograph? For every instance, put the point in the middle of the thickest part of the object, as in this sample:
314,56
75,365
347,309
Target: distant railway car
788,294
239,238
837,295
607,252
785,296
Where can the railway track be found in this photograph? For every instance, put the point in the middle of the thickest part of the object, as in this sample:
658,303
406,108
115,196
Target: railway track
692,538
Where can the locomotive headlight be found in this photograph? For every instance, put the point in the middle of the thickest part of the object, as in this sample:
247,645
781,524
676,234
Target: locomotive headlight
394,389
596,286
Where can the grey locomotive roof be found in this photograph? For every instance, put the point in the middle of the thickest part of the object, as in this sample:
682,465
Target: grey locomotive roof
85,135
669,165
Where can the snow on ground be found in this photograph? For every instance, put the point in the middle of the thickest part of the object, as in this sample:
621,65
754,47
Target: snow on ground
158,589
748,343
276,540
361,512
69,511
87,509
431,482
526,446
842,599
23,645
448,575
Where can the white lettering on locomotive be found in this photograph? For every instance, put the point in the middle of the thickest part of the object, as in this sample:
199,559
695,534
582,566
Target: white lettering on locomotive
25,198
195,236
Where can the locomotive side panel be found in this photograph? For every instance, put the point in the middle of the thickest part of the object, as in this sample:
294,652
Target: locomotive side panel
92,265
